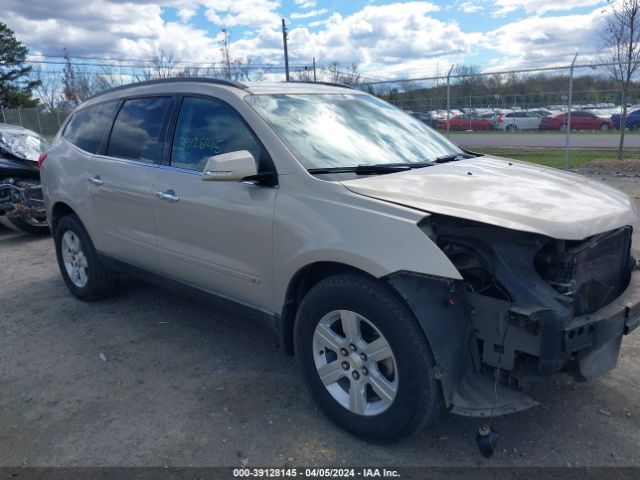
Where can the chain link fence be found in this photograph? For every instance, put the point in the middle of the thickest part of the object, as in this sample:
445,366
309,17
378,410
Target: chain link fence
44,121
562,99
573,97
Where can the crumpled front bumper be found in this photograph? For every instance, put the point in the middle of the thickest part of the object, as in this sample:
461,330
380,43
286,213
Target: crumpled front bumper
594,339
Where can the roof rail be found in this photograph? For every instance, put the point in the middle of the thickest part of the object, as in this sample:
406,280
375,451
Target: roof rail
330,84
160,81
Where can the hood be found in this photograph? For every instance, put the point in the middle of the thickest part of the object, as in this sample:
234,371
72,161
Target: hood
21,143
507,193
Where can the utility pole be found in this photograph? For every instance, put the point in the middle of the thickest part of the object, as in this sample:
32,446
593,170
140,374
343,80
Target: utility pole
314,70
286,53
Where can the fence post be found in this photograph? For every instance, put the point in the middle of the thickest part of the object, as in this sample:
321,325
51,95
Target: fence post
570,106
4,119
58,115
448,97
39,123
20,116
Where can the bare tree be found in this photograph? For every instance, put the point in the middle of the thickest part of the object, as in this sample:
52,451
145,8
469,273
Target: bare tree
622,39
225,52
332,73
160,65
79,85
49,89
76,87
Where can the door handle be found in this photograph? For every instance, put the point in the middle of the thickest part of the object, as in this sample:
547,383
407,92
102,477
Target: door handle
97,181
169,195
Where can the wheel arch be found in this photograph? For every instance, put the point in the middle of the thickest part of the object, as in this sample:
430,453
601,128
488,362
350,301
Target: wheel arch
301,282
58,210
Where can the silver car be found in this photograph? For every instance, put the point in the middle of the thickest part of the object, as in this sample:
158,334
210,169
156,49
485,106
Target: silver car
513,121
405,274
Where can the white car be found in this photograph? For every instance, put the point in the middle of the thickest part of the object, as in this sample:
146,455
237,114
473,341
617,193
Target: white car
513,121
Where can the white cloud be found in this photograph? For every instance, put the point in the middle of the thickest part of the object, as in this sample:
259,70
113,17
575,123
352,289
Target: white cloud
547,39
396,39
471,7
539,7
309,14
305,3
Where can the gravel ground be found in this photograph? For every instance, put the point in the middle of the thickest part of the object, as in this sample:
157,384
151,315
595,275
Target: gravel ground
151,378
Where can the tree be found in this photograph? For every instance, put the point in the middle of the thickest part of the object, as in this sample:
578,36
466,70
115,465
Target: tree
49,89
621,39
78,86
332,73
15,84
161,65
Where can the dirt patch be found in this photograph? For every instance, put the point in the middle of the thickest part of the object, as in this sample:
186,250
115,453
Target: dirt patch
611,166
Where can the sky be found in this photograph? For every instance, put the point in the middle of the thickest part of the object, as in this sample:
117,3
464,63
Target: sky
386,39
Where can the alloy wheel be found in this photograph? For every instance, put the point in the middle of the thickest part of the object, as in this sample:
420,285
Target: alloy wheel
75,261
355,362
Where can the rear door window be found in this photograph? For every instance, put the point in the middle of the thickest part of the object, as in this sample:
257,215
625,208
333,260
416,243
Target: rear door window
87,126
138,129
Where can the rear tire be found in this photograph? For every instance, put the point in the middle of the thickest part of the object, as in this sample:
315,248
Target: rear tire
604,127
79,264
411,397
511,128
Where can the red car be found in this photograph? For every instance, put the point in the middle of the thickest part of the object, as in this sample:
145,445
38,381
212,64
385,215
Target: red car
580,120
466,122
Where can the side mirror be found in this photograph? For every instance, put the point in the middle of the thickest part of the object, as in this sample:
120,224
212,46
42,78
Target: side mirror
230,167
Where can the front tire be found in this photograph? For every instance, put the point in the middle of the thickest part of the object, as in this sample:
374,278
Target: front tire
365,359
79,264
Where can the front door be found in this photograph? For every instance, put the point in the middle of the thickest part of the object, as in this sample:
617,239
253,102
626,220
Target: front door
214,235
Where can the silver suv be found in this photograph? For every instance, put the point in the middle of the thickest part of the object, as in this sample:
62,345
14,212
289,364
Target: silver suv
406,274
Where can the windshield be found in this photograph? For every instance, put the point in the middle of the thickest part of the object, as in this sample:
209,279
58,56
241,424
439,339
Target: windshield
346,130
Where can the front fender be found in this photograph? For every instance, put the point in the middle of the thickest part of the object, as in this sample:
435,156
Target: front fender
367,234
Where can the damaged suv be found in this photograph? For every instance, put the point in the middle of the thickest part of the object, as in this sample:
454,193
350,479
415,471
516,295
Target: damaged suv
406,275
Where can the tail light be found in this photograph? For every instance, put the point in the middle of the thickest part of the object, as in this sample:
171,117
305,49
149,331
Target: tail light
500,119
41,159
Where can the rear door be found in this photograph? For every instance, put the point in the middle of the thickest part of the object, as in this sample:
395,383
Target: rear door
120,180
532,121
214,235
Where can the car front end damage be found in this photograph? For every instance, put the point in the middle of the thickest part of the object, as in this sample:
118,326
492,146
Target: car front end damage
21,202
527,306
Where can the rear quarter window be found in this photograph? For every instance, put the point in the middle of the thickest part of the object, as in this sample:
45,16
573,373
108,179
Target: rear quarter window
87,126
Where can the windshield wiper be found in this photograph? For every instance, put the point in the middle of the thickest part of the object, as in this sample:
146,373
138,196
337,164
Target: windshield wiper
379,169
453,157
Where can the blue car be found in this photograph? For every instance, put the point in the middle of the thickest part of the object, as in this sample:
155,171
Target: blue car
632,122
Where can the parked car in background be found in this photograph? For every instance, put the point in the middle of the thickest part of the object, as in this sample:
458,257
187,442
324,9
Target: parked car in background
632,122
425,118
21,205
542,112
467,121
513,121
580,120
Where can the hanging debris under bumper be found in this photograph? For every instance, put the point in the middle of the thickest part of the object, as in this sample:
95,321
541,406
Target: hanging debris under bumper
21,198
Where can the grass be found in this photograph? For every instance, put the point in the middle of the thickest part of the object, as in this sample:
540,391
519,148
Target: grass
554,157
